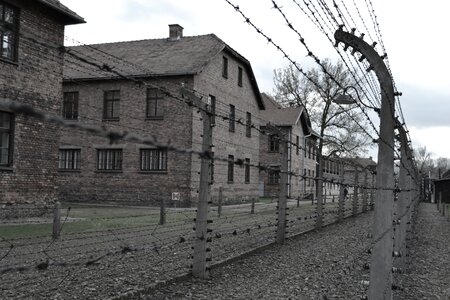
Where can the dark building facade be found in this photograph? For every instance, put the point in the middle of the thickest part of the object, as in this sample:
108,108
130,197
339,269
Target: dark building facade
31,67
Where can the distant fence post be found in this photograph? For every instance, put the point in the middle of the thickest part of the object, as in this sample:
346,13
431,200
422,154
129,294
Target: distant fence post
400,221
372,193
252,209
341,203
162,212
298,201
355,193
56,220
365,194
282,200
219,204
448,212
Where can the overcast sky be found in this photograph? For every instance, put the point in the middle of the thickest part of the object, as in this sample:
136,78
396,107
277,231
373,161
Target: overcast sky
414,34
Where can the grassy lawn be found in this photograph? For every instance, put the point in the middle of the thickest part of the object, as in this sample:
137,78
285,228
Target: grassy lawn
89,218
93,218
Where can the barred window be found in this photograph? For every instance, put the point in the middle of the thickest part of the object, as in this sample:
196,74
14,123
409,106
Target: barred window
247,170
230,168
70,106
274,176
153,160
225,67
111,105
248,125
109,159
69,159
6,138
9,31
239,76
232,117
274,143
155,107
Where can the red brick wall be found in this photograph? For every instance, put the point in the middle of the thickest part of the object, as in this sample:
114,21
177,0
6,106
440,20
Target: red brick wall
130,185
34,79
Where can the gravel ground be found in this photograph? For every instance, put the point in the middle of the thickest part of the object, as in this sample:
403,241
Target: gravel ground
329,264
326,264
427,274
109,263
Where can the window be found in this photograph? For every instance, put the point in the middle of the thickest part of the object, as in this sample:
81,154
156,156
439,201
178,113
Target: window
297,147
212,103
111,105
248,125
232,118
69,159
109,159
155,108
153,160
308,183
70,106
309,151
274,176
8,31
239,76
274,143
313,180
230,168
247,170
225,67
6,138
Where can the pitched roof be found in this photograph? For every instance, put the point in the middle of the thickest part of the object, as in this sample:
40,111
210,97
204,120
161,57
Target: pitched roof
277,115
69,16
150,58
362,161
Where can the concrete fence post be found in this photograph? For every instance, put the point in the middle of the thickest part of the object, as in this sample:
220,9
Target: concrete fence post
219,204
56,220
282,200
381,261
365,194
162,212
199,268
355,193
252,209
341,203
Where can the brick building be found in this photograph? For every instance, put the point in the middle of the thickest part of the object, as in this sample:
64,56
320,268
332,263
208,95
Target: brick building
136,98
295,125
31,67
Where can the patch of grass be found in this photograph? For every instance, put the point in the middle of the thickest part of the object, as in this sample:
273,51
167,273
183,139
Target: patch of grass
95,218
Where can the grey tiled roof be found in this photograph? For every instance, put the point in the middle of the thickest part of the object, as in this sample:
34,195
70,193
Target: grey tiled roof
153,57
362,161
278,115
70,16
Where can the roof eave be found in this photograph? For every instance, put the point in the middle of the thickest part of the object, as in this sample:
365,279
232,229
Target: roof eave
69,16
66,79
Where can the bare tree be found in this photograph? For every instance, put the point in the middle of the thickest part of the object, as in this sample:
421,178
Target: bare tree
423,159
441,165
341,127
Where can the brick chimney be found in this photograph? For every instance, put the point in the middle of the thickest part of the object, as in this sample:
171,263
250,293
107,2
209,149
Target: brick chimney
175,32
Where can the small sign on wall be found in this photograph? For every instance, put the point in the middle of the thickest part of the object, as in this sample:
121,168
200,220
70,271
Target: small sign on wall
176,196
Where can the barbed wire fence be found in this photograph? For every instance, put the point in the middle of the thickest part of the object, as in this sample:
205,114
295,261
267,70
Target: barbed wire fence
157,243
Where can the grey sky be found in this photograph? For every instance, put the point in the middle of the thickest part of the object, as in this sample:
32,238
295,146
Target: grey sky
413,32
